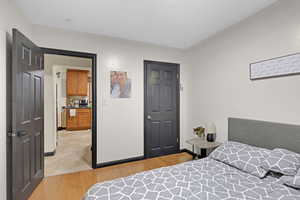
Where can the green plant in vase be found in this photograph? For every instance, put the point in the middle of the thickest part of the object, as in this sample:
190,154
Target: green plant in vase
200,131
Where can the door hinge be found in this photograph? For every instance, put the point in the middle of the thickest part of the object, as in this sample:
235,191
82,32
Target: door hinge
177,140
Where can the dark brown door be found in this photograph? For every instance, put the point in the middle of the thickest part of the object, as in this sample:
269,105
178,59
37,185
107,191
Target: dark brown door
27,116
161,108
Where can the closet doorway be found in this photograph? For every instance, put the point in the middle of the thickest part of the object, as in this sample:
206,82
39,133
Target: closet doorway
162,106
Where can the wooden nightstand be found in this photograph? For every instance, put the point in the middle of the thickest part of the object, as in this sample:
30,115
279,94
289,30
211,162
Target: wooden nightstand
203,145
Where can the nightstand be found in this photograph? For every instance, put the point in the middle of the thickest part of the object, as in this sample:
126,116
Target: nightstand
203,145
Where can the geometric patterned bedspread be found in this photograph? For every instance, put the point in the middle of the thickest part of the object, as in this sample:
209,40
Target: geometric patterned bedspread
204,179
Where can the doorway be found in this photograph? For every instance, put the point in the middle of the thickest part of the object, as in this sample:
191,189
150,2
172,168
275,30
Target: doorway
162,107
92,88
68,114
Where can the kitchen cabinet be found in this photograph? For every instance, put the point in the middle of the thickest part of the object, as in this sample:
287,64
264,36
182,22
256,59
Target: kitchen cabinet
72,122
84,118
82,89
81,121
77,82
72,79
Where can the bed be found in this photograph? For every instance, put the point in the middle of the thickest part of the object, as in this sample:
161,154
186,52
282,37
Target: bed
209,179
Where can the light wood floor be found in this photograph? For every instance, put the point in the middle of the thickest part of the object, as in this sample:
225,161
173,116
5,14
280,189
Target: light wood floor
73,186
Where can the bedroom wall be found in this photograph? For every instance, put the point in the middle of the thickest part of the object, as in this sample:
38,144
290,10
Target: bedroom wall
3,113
120,121
9,17
220,68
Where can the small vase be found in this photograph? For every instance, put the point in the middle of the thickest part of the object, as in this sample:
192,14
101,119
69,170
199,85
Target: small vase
211,137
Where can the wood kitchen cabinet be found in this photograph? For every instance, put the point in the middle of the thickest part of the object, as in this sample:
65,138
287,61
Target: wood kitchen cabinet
72,122
81,121
82,89
84,118
72,79
77,82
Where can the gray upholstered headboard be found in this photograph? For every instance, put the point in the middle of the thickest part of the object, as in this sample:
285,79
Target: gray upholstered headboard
264,134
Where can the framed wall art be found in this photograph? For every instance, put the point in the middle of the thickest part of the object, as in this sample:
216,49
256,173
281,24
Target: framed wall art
120,84
276,67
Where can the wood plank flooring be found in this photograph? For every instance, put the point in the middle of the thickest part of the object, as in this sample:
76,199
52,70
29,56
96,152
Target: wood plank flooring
73,186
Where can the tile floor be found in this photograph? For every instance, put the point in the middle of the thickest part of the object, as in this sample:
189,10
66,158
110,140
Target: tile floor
73,153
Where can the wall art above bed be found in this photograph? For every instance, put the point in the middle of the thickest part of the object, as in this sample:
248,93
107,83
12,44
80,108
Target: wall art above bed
275,67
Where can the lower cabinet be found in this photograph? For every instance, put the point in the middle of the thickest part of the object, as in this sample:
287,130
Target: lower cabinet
71,122
81,121
84,118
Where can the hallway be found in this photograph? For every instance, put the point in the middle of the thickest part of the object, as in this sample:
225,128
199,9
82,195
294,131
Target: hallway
73,153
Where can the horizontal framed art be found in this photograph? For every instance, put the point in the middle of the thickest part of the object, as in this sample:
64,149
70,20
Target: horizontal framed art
276,67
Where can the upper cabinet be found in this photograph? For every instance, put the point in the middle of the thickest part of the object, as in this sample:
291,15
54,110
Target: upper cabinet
77,82
72,79
82,89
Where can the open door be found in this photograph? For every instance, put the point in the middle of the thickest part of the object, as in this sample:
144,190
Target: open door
27,116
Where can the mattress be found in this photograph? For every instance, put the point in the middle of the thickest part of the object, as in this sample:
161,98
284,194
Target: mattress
204,179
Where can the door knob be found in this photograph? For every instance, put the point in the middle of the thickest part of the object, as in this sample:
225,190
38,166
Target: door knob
21,133
149,117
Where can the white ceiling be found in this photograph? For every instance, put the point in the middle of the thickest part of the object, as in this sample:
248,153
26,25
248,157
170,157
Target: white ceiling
173,23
